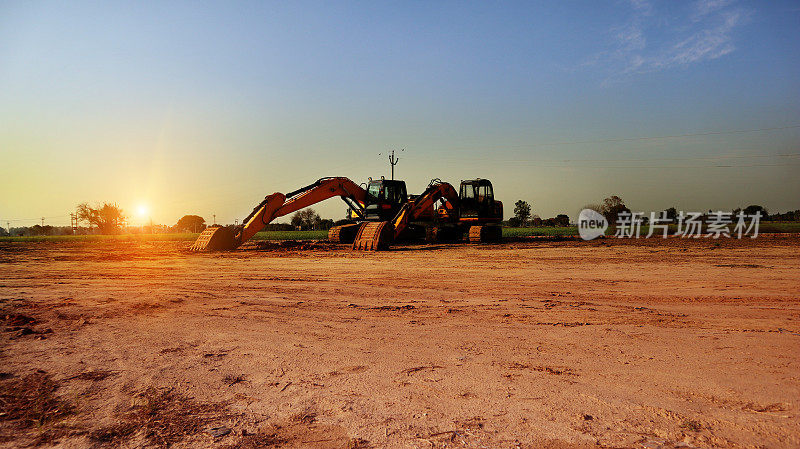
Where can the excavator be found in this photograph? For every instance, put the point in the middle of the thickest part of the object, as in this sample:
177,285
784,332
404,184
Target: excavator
385,209
472,211
382,201
390,196
478,214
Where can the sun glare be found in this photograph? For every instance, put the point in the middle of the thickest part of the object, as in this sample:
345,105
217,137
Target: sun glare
142,210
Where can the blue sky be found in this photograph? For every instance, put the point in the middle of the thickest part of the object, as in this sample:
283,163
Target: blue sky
205,107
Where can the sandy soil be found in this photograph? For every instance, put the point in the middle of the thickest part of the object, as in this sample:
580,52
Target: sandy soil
525,344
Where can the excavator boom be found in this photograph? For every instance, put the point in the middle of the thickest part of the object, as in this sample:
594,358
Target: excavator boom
436,191
278,205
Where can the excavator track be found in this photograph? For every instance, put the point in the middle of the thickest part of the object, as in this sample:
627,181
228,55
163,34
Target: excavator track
374,236
485,234
344,233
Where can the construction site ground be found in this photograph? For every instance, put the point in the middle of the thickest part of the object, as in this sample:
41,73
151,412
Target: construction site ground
532,343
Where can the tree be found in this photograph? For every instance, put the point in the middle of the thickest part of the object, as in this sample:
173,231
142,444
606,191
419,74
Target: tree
190,223
611,208
345,221
323,224
41,230
108,218
305,219
522,212
671,213
562,220
754,209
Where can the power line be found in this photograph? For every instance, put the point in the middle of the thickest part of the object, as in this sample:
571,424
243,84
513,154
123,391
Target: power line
670,166
34,219
633,167
634,139
700,158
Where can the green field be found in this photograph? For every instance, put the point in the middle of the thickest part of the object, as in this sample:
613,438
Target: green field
291,235
764,228
770,227
266,235
102,238
548,231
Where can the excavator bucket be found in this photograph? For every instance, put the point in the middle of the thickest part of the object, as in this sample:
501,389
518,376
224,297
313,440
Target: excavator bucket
374,236
215,238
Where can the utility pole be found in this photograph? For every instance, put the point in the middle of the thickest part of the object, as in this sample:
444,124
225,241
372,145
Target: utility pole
215,218
393,161
42,221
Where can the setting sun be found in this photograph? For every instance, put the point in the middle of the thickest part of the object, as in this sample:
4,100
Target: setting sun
142,210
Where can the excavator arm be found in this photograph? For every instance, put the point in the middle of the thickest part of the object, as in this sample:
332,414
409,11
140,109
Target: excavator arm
278,205
378,235
436,190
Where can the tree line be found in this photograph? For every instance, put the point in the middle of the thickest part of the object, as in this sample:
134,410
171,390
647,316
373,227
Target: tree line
613,206
109,218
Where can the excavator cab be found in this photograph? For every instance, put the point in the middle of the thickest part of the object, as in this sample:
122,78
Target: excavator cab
480,211
384,199
477,201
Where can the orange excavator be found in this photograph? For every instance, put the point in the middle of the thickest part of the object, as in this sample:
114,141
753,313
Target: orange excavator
383,200
477,214
374,236
277,205
472,211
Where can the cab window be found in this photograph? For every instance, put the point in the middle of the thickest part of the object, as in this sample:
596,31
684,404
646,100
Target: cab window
394,193
389,193
467,191
374,190
485,193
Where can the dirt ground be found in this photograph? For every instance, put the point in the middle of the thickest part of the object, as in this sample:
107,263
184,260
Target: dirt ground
525,344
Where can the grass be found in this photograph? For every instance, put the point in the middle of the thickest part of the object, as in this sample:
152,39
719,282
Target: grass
30,403
102,238
188,236
769,227
539,231
780,226
765,227
291,235
692,425
163,416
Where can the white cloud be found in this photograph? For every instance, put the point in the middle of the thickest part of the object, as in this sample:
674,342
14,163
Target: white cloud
709,43
704,7
630,38
642,6
649,41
